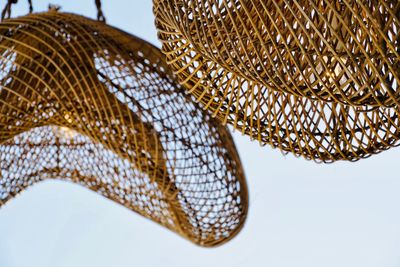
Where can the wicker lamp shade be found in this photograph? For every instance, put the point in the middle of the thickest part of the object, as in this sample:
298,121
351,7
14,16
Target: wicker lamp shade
344,51
88,103
314,129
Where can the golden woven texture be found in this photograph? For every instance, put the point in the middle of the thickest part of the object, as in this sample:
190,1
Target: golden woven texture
346,51
314,129
87,103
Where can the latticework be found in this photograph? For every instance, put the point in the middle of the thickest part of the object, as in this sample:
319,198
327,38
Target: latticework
84,102
346,51
315,129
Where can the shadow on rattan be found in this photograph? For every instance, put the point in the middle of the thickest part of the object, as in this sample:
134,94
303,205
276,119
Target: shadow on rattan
315,129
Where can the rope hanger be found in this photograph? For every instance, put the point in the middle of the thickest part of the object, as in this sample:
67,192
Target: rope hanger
6,13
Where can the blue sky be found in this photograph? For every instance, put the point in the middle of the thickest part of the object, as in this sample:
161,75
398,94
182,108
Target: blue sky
302,214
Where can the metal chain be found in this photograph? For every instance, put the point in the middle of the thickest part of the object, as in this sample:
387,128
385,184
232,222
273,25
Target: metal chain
7,9
30,6
6,13
100,15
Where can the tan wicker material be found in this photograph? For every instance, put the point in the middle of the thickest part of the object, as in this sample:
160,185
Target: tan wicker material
346,51
84,102
314,129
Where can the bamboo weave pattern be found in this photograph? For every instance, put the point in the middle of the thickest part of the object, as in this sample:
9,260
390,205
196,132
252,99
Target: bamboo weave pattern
87,103
345,51
314,129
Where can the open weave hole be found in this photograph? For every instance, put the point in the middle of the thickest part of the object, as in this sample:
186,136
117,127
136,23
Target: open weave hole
88,103
345,51
314,129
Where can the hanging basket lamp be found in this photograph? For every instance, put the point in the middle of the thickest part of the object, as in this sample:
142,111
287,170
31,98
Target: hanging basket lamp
84,102
322,130
314,129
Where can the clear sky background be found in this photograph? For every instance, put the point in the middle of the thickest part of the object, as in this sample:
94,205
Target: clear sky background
302,214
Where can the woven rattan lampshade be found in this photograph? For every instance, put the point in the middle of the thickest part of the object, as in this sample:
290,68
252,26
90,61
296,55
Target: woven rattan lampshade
87,103
346,51
313,129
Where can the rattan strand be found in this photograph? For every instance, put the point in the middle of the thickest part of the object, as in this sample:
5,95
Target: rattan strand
88,103
314,129
344,51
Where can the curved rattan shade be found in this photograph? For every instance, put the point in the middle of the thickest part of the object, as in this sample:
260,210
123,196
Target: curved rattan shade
345,51
85,102
313,129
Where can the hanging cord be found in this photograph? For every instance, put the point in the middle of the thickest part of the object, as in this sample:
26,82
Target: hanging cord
100,15
7,9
